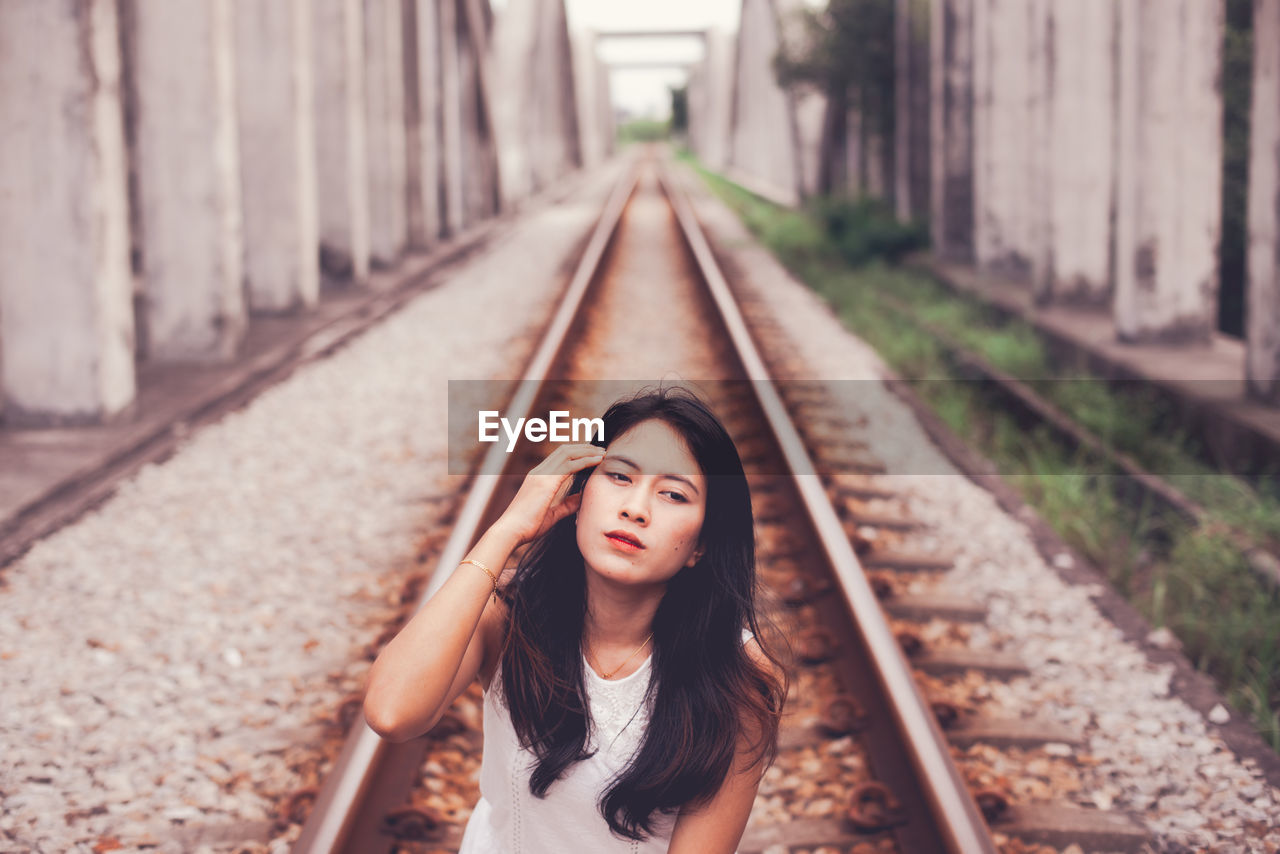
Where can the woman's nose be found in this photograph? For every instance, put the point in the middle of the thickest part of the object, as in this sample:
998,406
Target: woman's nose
636,512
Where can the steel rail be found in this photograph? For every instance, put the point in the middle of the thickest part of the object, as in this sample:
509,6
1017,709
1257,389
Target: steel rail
954,809
329,828
339,820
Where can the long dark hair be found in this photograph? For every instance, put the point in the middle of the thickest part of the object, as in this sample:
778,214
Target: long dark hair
706,693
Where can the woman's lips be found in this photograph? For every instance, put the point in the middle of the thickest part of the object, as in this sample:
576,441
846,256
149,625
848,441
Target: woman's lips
624,541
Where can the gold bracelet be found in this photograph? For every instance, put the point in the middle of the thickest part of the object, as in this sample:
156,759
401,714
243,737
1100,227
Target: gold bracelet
487,572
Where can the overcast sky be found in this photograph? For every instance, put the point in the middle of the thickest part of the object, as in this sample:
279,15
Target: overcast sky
645,91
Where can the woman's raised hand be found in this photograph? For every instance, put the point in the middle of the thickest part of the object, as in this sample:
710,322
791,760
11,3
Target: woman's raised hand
541,500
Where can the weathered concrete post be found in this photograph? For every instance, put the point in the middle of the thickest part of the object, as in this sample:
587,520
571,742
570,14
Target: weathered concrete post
451,116
710,97
343,188
951,156
66,313
534,111
275,91
1263,320
514,53
595,112
183,69
422,111
1040,190
763,134
385,129
479,159
1081,159
1002,144
1170,169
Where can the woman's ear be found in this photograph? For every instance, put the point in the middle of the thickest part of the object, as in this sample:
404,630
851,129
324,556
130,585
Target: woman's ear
695,557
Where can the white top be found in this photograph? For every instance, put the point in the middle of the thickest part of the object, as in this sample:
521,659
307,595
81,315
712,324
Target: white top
508,819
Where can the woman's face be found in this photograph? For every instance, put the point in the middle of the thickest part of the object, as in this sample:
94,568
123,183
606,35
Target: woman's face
643,506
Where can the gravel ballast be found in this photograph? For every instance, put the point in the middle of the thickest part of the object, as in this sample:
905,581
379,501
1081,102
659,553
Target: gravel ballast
171,659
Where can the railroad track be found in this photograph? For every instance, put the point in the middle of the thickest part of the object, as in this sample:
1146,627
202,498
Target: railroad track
884,746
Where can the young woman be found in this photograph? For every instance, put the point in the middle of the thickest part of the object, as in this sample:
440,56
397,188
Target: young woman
629,705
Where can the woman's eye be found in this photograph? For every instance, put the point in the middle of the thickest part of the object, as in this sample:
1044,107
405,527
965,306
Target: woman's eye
617,477
675,496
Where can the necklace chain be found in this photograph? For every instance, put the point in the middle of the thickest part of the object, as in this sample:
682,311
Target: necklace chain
628,658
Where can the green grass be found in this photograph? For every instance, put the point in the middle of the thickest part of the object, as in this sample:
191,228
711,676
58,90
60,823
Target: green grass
1193,580
643,130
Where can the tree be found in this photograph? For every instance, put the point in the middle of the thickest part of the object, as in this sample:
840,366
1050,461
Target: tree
679,109
846,52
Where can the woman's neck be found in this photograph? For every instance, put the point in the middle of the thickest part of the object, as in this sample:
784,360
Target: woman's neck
618,615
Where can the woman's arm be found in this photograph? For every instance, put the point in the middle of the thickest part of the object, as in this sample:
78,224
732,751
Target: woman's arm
439,652
717,827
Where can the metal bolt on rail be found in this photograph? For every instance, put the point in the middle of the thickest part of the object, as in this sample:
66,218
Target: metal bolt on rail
912,644
946,713
815,645
413,824
992,802
843,715
873,808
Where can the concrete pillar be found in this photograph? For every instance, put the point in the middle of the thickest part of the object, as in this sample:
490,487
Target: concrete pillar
479,159
764,144
415,231
1002,144
274,72
604,110
385,130
341,159
474,203
451,115
560,145
1262,320
1040,189
590,78
911,109
1170,170
534,109
983,95
183,70
66,313
514,52
951,124
1081,165
422,113
710,98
